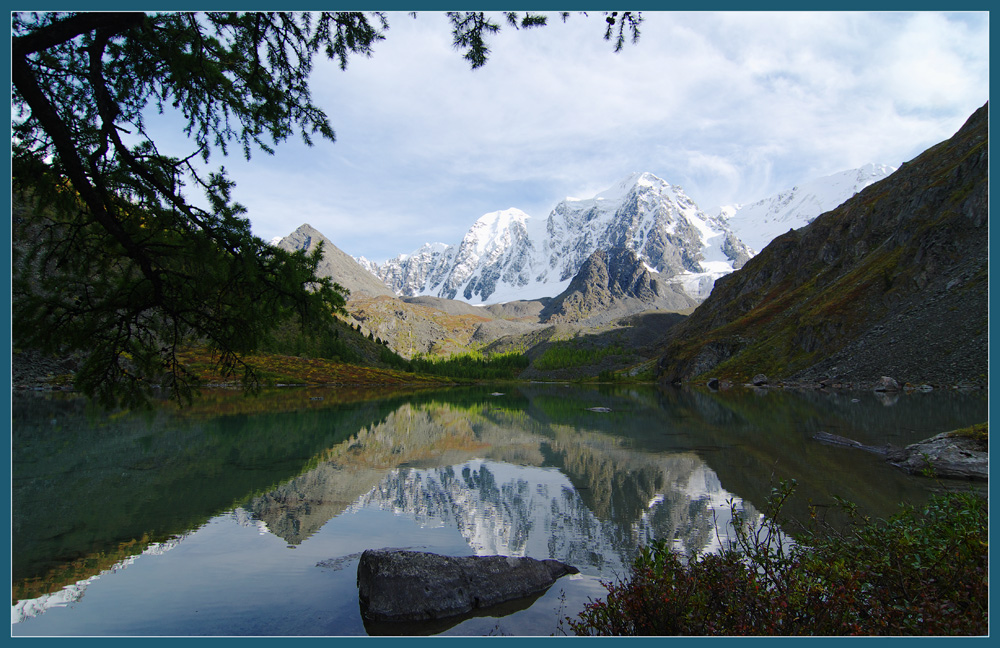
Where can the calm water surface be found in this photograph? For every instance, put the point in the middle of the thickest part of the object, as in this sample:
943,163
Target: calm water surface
247,517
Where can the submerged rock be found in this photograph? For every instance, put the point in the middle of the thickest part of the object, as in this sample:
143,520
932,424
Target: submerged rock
835,439
397,585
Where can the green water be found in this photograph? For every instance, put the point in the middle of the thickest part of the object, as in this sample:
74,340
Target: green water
246,517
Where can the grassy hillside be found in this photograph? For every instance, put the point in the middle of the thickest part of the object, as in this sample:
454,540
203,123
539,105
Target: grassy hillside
894,281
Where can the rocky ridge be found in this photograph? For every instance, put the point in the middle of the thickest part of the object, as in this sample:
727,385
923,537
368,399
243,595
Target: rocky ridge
610,285
335,263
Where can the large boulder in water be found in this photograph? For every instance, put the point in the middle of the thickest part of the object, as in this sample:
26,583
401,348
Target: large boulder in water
886,384
398,585
946,455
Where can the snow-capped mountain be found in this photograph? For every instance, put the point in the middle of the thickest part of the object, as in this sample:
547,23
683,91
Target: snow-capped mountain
759,223
508,255
411,271
26,609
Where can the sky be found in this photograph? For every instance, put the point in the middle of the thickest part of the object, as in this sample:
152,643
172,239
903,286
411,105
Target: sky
733,107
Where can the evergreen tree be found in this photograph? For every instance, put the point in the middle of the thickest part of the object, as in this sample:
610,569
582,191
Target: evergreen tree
113,259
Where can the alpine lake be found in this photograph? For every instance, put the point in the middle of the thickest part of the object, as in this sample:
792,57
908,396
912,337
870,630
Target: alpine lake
239,516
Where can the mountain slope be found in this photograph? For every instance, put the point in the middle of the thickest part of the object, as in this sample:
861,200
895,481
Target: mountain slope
338,265
892,282
759,223
431,326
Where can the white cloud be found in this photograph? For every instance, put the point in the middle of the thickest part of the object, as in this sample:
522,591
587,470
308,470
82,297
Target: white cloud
931,64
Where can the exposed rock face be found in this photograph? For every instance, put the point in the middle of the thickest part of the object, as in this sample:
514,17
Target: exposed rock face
397,585
410,273
894,281
735,250
613,284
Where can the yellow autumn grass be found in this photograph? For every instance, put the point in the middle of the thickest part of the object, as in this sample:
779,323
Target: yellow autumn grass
290,370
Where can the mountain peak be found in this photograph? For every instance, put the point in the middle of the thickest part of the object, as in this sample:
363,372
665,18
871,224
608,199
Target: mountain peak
492,230
500,220
506,255
620,189
611,284
345,270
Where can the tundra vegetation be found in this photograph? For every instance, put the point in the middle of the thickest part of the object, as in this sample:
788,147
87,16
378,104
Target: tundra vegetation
919,572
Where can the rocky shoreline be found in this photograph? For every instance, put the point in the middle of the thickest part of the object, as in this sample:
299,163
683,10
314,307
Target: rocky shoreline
31,370
883,385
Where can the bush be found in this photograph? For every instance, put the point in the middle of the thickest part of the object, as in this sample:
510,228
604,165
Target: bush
918,573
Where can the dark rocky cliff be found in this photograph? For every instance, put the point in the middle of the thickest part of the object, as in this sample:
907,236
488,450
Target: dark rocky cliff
610,285
893,282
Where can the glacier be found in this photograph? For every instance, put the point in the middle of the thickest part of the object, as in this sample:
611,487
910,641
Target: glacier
759,223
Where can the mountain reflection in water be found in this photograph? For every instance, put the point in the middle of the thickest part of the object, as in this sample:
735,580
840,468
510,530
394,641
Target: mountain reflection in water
572,491
512,510
533,471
